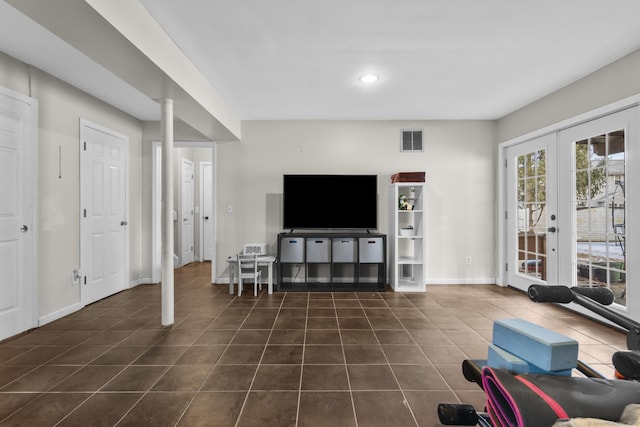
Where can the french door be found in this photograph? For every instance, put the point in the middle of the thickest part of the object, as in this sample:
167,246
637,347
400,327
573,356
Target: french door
532,213
568,197
597,197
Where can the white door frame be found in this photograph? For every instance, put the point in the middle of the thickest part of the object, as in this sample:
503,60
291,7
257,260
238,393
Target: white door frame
85,124
28,262
156,180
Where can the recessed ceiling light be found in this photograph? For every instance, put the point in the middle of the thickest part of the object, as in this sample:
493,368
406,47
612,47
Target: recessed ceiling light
369,78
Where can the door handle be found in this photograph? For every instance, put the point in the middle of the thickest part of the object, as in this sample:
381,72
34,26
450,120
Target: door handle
206,218
123,223
24,228
552,229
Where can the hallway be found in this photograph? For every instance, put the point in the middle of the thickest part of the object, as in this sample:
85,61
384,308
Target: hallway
286,359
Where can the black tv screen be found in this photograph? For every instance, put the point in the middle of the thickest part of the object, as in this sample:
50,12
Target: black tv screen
330,202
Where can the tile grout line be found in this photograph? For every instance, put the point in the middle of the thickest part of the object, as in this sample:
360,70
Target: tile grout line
395,377
195,394
264,350
304,349
346,367
428,358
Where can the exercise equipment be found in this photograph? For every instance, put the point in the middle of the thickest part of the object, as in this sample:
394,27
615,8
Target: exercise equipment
534,400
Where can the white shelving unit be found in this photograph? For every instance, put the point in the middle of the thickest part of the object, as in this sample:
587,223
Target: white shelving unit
407,241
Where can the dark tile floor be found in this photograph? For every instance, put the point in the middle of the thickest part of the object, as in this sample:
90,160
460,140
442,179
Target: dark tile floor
294,359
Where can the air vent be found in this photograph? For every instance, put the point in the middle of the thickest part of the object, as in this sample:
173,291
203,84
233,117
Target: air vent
411,140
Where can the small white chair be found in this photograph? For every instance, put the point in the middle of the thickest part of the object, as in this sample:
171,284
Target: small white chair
248,269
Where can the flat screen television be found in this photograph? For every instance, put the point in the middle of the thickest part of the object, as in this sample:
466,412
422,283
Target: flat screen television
330,202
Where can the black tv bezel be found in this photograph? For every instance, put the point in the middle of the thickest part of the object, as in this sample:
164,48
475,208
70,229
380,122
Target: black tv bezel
369,222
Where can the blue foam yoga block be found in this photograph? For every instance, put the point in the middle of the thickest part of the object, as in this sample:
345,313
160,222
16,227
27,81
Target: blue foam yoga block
541,347
499,358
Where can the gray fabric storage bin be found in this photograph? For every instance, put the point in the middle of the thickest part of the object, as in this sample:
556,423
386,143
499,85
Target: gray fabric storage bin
318,250
344,249
292,249
370,250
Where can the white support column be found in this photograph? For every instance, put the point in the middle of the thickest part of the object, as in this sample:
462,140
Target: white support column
166,125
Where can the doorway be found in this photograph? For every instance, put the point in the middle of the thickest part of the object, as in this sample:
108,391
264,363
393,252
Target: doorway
203,153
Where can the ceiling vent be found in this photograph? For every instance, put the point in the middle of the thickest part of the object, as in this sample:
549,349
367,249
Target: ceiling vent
411,140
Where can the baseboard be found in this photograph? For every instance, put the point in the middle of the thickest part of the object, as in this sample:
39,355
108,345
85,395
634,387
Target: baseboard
467,281
59,314
141,281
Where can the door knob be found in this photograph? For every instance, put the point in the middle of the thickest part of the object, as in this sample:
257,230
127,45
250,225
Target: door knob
552,229
206,218
123,223
24,228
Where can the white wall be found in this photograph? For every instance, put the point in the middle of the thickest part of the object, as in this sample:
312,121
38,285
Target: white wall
60,109
458,158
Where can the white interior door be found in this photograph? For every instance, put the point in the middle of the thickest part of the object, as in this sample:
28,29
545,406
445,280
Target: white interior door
188,207
18,160
206,178
532,212
103,201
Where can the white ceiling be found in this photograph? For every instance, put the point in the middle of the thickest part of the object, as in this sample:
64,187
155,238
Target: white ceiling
301,59
453,59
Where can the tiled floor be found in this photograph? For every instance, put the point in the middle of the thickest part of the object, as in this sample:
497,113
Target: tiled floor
295,359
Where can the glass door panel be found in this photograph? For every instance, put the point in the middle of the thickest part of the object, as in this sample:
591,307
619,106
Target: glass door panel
532,204
600,215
